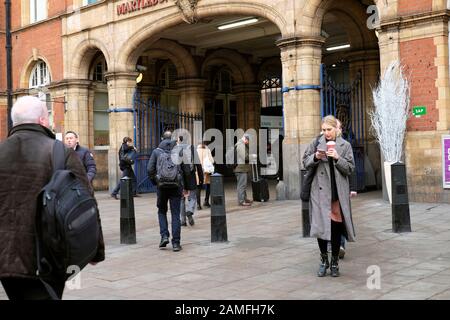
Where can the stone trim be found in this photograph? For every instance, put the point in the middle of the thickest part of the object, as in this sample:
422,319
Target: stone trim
300,41
408,21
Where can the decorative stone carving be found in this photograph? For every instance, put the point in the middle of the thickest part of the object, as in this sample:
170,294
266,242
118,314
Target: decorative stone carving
187,8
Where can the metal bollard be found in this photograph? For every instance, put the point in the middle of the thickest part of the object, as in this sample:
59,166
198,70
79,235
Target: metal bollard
306,223
401,221
218,214
127,220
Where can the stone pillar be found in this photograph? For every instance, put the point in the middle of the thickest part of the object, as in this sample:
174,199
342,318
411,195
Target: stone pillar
248,99
77,109
301,59
121,87
191,95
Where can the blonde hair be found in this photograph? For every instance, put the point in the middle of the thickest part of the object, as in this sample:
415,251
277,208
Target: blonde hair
330,120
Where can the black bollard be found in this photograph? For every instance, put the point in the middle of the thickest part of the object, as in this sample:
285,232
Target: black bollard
401,221
218,214
127,220
306,223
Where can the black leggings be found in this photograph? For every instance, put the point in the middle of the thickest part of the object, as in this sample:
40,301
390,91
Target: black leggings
336,233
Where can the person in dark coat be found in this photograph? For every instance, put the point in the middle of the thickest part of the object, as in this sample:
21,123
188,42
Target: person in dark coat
25,168
126,166
172,195
71,140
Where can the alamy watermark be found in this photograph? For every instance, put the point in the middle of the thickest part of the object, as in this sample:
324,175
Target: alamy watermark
374,280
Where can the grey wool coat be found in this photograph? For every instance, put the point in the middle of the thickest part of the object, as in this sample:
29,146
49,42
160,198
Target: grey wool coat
320,199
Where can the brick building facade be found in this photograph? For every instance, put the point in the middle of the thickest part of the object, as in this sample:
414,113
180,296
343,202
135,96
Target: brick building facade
84,56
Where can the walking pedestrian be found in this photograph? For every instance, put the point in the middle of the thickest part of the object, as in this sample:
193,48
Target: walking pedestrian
173,180
207,163
126,166
72,140
25,168
330,209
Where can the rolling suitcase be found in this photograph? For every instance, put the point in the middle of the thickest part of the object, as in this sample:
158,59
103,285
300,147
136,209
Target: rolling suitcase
260,188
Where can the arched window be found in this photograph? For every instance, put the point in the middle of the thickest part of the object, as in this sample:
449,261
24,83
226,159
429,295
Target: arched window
99,68
40,75
39,79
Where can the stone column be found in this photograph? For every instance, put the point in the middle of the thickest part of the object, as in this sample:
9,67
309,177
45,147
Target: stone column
77,109
301,59
191,95
121,87
248,100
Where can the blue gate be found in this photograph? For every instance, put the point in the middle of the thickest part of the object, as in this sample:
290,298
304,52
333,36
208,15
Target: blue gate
346,102
150,122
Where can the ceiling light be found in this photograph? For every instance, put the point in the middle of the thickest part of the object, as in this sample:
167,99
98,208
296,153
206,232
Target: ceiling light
344,46
334,65
237,24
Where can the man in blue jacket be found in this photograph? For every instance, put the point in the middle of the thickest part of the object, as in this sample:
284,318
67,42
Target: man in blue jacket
72,141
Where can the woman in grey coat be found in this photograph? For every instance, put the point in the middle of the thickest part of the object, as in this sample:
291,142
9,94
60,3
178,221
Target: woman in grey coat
329,204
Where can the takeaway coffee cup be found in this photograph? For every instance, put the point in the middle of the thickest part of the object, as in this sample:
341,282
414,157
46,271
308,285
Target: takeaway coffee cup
331,145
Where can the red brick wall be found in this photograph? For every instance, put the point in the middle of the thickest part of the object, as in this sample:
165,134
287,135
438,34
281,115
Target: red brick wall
46,38
418,58
406,7
3,123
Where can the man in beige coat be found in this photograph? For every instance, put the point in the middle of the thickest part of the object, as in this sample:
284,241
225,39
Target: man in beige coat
242,169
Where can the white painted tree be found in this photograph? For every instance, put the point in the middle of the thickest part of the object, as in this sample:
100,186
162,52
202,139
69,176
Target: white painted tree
392,109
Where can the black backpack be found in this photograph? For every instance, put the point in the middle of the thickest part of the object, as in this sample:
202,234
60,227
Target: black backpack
167,172
67,225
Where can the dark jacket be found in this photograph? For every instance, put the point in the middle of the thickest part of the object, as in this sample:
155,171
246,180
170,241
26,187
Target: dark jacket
124,149
26,167
88,161
186,170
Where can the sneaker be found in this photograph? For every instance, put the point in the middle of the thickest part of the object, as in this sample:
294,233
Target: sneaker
136,196
164,242
249,201
114,196
190,218
245,204
199,207
206,205
177,247
341,253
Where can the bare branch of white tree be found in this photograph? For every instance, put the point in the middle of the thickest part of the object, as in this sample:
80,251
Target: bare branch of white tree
392,109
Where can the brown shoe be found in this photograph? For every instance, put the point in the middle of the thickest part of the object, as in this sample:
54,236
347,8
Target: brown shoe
249,201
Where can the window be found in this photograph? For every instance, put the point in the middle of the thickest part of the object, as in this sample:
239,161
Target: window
86,2
101,119
271,93
100,68
38,10
167,76
40,76
223,82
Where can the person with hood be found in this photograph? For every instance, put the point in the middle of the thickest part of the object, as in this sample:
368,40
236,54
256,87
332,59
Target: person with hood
174,179
126,166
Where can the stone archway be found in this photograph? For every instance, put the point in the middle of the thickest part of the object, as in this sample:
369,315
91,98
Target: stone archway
83,55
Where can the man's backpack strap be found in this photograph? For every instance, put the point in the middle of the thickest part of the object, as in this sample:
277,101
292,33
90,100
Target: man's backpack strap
58,156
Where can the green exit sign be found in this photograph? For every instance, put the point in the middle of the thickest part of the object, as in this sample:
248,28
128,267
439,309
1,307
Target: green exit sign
419,111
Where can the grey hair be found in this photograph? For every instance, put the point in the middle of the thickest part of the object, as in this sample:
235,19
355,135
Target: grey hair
28,109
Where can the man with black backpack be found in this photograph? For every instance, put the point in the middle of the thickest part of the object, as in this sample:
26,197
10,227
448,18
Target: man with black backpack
174,179
26,167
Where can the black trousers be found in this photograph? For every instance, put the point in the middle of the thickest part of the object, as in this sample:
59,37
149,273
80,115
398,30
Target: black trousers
30,289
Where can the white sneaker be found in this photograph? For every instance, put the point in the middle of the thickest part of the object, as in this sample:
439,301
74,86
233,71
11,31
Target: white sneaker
341,253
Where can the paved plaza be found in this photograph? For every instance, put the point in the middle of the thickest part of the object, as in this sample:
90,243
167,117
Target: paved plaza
267,257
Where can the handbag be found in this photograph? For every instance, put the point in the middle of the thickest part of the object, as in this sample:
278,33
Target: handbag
308,177
208,166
